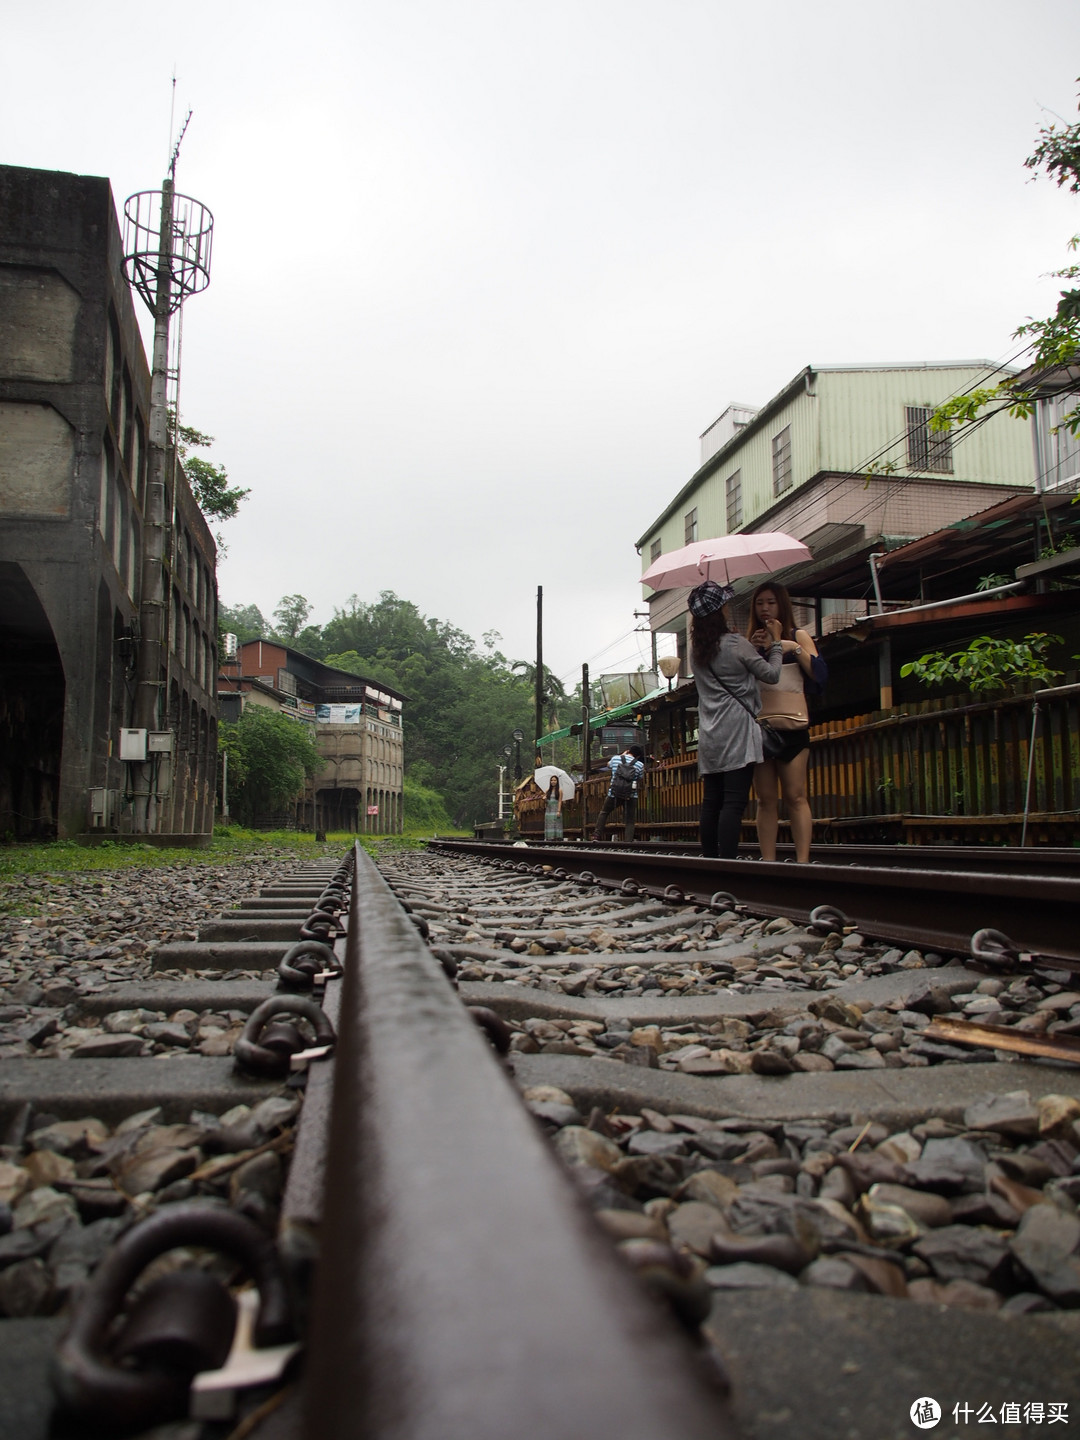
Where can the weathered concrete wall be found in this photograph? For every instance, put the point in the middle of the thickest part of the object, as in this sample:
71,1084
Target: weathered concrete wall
74,405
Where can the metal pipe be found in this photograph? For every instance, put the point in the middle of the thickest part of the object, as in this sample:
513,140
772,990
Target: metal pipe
876,555
1031,769
955,599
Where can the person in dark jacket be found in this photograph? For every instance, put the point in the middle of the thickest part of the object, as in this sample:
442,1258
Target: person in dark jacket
633,758
727,670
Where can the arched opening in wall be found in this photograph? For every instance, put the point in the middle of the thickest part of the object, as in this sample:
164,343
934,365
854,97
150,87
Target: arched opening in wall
31,711
338,809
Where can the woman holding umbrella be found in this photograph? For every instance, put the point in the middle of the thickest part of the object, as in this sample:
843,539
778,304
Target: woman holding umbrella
553,810
727,669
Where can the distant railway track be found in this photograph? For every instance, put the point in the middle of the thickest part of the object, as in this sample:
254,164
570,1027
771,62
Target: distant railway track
722,1092
911,905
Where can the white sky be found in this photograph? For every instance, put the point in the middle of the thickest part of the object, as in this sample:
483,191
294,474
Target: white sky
484,270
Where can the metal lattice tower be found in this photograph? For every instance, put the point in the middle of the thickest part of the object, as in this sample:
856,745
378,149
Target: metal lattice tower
167,243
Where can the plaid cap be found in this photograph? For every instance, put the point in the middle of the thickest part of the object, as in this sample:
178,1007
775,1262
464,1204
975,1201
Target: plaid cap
708,597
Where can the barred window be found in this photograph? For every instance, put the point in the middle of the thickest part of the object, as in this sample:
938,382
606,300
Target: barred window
927,449
690,530
733,492
654,550
781,461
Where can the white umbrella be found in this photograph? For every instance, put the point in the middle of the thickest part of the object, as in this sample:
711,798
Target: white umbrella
543,779
724,559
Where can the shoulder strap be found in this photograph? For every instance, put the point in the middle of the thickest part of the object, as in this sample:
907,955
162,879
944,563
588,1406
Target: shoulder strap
724,686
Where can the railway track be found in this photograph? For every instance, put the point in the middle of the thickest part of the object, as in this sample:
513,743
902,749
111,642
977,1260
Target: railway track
940,907
806,1212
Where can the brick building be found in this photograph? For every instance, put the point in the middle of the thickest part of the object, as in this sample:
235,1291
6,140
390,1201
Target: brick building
356,724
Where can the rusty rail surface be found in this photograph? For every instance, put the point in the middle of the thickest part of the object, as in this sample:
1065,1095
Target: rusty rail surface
1010,859
931,909
463,1291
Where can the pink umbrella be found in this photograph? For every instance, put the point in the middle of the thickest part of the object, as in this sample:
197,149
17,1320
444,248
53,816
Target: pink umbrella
725,559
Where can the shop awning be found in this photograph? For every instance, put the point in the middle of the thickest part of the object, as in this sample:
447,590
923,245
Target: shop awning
606,717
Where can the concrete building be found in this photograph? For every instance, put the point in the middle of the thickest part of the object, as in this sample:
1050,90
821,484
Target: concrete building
74,407
842,458
356,724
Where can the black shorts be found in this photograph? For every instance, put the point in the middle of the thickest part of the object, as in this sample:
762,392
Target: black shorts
795,742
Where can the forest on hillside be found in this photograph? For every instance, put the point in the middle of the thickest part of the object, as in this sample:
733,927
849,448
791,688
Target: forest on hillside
464,700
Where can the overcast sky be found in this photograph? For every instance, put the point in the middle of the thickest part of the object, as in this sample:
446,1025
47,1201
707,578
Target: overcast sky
484,270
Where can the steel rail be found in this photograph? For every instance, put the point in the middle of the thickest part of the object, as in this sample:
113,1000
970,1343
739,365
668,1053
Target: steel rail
930,909
997,859
462,1290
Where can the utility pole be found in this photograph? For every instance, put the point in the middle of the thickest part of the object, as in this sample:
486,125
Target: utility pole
586,716
167,244
539,662
148,694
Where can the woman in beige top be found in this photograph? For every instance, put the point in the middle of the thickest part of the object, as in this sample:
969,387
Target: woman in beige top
783,707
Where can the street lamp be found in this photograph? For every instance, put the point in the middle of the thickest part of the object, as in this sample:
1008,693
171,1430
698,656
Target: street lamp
518,736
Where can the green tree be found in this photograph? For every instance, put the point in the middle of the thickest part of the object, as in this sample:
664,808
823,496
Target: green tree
1054,340
270,757
209,483
988,663
291,612
246,622
463,705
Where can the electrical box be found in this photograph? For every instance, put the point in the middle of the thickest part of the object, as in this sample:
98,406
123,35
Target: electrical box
159,742
133,745
102,808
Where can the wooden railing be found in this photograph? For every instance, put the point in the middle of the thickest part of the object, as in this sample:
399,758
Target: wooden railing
958,757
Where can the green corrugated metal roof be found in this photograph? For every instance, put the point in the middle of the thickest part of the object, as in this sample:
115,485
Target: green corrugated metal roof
607,717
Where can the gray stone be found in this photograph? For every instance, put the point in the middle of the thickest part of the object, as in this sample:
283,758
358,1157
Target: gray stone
579,1146
165,1032
261,1175
745,1275
44,1203
26,1288
964,1252
553,1114
653,1142
150,1171
1046,1246
831,1273
871,1059
1011,1114
951,1167
86,1245
108,1047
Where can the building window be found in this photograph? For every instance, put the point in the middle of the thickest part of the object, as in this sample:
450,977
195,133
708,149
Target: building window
733,491
781,461
654,550
927,449
690,531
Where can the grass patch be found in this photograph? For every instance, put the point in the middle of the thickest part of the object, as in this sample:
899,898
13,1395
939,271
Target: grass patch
230,843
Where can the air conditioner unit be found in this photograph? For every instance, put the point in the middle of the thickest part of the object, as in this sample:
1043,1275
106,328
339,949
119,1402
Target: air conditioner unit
231,646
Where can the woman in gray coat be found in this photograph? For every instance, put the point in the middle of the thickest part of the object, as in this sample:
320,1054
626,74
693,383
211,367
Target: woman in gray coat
727,669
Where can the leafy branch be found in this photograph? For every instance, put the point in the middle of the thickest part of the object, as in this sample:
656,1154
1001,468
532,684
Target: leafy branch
988,663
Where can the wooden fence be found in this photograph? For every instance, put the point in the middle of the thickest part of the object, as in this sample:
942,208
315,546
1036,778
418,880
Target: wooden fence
956,766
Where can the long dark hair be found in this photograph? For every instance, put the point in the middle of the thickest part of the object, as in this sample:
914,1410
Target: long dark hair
783,604
705,635
554,781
